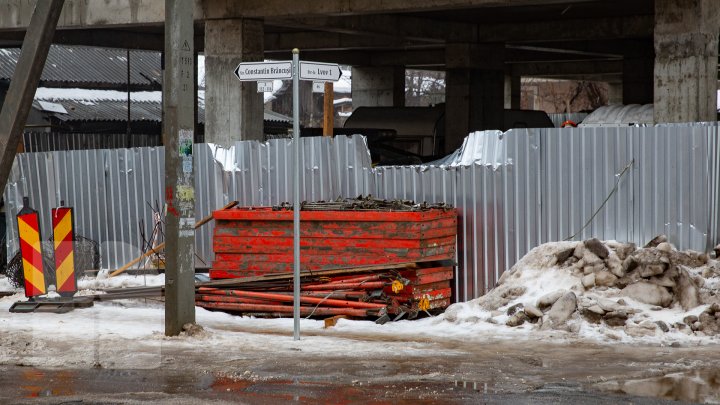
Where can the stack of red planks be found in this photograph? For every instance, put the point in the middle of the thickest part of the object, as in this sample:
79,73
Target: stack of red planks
367,245
252,242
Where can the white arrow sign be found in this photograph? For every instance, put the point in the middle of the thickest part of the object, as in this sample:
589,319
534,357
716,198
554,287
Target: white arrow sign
252,71
328,72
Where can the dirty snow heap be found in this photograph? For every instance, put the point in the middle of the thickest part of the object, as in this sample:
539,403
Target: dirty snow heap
606,287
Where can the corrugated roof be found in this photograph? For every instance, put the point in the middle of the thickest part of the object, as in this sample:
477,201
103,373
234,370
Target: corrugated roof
109,110
103,105
80,66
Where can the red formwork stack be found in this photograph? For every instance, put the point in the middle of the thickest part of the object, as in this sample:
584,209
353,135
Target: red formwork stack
258,242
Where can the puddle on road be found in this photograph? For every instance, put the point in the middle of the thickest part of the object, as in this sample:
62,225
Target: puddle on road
693,386
22,382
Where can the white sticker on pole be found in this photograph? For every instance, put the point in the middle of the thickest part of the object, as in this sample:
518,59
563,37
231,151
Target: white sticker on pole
318,87
265,86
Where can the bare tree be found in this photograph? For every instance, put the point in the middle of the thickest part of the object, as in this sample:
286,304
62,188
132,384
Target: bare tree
424,87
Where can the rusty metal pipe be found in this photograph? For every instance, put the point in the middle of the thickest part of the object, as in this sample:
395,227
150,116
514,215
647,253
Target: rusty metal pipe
286,298
285,309
373,285
237,300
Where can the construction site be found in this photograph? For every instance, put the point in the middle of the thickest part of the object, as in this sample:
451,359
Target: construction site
429,201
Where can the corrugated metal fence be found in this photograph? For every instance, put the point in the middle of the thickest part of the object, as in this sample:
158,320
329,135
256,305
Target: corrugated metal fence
114,190
546,184
525,187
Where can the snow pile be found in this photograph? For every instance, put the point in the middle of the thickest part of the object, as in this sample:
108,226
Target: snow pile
103,281
604,290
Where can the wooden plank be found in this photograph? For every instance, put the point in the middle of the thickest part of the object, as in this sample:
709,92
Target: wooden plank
260,244
159,248
231,251
327,272
319,228
267,214
351,258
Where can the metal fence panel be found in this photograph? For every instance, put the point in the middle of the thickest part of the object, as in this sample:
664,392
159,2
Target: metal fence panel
513,190
114,191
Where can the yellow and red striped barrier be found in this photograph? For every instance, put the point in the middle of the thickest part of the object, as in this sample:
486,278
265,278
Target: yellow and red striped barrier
65,280
31,252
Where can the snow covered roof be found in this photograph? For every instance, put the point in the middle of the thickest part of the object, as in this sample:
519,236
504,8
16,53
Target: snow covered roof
111,105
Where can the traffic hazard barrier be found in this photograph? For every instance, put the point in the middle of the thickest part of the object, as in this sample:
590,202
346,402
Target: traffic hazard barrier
31,250
65,276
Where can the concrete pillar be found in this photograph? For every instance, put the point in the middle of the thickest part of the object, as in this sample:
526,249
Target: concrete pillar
686,60
233,109
615,93
512,91
474,90
378,86
638,63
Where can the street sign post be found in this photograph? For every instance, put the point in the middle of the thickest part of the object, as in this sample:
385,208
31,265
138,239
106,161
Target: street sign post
264,73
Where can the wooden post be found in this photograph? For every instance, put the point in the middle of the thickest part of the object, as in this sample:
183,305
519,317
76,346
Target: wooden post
23,85
328,110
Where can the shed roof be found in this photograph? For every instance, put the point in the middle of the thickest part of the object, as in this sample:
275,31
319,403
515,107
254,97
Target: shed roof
90,67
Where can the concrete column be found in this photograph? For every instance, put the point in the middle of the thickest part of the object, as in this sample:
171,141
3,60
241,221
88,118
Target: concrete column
378,86
512,91
233,109
638,63
474,90
615,93
686,60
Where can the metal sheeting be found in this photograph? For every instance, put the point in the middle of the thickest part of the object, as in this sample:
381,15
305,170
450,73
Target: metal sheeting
554,180
538,185
112,190
111,110
82,66
52,141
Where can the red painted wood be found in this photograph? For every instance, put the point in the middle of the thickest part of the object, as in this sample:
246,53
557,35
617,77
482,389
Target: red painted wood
228,243
432,277
315,251
305,232
419,290
359,225
287,215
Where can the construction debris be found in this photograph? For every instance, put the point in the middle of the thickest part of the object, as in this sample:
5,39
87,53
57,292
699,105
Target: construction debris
160,247
370,292
350,248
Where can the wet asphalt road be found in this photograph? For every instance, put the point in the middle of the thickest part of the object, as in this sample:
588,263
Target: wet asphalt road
22,385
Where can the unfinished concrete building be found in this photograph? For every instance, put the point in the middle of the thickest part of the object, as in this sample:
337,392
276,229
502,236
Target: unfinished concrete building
649,51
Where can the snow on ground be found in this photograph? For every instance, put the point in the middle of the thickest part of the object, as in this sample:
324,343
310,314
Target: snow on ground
128,331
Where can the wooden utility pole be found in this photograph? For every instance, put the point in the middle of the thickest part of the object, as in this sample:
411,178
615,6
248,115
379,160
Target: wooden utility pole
178,133
328,110
26,77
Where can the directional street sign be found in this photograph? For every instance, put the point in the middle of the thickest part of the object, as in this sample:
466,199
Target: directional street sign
252,71
328,72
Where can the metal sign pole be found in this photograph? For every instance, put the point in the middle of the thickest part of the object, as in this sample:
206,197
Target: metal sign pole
296,196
